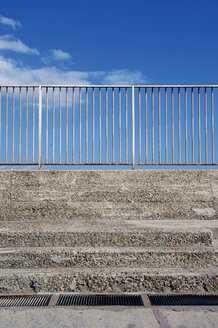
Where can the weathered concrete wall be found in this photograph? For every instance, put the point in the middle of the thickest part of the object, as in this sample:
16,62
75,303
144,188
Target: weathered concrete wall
147,194
108,231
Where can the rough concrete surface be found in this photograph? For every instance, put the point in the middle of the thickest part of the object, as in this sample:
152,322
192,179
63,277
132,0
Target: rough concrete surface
107,280
96,233
113,317
108,231
147,194
190,317
90,257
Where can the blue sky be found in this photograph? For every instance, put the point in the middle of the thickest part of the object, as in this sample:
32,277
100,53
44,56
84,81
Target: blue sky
95,41
108,42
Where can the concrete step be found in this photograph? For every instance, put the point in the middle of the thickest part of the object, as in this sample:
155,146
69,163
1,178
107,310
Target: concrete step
139,194
96,233
108,280
47,208
95,257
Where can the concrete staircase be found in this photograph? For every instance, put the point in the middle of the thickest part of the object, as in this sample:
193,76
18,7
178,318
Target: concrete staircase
108,231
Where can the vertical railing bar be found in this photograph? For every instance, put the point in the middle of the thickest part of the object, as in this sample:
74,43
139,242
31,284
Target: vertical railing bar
186,151
13,129
106,137
46,125
73,123
126,126
152,125
146,125
79,125
192,100
26,124
179,126
212,114
119,125
199,126
166,123
93,126
33,153
20,125
205,125
53,124
6,131
140,126
0,117
86,125
159,125
133,127
66,125
172,104
99,125
113,124
40,126
60,125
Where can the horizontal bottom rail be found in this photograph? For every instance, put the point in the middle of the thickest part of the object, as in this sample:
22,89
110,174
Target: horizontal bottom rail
106,164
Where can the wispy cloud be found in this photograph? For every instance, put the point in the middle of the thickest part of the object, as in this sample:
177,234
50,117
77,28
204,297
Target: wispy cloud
9,42
56,69
12,72
123,76
10,22
60,55
56,56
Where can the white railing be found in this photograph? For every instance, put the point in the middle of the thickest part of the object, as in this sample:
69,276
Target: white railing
108,125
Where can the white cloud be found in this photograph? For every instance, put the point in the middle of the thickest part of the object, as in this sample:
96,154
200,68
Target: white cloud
10,22
123,76
60,55
9,42
11,72
56,55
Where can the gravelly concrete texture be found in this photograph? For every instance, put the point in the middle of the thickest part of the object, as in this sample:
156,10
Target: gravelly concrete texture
113,317
147,194
102,233
108,231
84,257
107,280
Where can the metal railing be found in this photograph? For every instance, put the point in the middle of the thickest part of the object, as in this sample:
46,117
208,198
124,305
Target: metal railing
108,125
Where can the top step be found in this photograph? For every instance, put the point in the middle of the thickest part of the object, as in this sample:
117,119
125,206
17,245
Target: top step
147,194
97,233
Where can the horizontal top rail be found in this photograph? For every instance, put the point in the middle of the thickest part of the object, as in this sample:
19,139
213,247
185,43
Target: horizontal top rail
108,86
176,86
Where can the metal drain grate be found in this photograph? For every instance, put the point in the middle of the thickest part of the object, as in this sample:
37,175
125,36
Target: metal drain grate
106,300
182,300
26,300
99,300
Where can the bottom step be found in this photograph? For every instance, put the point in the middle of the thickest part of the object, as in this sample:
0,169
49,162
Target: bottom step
108,280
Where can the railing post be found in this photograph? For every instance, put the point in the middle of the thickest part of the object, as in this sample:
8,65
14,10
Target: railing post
133,127
40,127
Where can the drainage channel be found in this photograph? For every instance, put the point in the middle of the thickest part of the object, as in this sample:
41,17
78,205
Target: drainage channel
25,300
146,300
183,300
100,300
